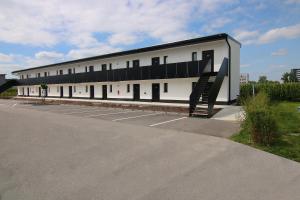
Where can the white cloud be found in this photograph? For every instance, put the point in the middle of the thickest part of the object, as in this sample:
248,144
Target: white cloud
88,52
246,37
255,37
46,23
288,32
292,1
280,52
4,58
216,24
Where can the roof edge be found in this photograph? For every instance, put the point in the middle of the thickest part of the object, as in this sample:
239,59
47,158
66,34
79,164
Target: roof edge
209,38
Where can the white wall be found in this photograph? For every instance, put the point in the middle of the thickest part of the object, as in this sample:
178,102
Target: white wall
235,69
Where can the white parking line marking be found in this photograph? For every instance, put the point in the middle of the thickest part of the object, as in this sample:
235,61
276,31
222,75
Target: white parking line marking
110,113
135,117
79,112
167,121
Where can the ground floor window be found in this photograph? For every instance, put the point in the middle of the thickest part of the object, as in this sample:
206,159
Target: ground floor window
165,87
86,88
128,88
110,88
74,88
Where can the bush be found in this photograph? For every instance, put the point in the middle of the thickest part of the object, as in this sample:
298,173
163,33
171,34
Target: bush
275,91
260,121
12,92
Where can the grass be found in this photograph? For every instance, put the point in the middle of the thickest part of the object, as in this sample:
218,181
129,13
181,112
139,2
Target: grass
288,144
12,92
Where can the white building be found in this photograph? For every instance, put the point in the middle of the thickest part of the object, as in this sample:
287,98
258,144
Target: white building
297,73
244,78
166,73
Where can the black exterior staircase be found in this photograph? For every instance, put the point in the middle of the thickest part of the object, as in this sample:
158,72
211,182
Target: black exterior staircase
206,90
8,84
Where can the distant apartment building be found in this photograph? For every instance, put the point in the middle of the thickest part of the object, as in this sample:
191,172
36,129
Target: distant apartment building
244,78
297,73
2,78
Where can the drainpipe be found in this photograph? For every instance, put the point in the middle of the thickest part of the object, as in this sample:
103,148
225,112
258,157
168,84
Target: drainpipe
229,69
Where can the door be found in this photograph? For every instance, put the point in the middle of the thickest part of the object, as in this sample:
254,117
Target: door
209,54
104,91
70,91
40,92
61,91
103,67
155,92
27,91
136,63
155,61
92,94
136,92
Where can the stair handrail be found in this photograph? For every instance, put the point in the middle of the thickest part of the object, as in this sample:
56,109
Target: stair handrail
215,88
196,93
8,84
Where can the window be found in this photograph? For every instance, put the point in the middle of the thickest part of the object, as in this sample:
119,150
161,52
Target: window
56,72
61,72
22,76
127,64
45,74
57,89
27,76
194,56
165,87
74,88
69,71
110,66
110,88
135,63
128,88
39,75
91,68
86,70
165,59
86,88
73,70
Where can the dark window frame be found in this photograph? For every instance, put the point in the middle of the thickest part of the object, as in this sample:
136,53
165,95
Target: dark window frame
128,88
166,87
194,56
110,88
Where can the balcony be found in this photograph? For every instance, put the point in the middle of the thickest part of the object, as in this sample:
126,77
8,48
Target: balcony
163,71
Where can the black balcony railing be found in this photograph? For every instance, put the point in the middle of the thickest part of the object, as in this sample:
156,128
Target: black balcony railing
164,71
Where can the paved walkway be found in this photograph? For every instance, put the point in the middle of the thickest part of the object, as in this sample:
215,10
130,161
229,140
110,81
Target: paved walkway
52,156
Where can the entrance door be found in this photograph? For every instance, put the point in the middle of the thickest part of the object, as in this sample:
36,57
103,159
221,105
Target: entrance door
104,91
155,61
40,92
155,92
70,91
209,54
27,91
61,91
136,92
92,94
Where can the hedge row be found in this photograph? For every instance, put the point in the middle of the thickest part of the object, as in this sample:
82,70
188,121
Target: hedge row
275,91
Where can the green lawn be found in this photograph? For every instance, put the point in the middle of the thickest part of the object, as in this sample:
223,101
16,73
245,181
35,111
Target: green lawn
12,92
288,144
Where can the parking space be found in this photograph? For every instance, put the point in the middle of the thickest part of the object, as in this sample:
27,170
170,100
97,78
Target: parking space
155,119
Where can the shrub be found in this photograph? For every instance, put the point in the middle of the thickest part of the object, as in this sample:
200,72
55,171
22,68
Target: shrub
260,121
275,91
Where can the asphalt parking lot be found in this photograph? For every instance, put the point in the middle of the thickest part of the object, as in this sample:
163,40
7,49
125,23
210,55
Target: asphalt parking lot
72,153
165,120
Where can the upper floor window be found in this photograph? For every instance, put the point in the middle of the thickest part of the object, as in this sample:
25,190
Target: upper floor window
27,76
69,71
155,61
194,56
165,59
110,66
61,72
86,69
127,64
136,63
45,74
38,75
56,72
73,70
22,76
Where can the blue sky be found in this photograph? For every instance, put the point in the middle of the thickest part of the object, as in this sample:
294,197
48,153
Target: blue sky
34,33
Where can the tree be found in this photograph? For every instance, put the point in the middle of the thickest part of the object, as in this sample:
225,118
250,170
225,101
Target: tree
289,77
262,79
44,87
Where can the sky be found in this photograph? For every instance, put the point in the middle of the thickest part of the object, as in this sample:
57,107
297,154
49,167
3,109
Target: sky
35,33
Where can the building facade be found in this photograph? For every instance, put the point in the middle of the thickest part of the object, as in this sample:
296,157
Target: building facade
296,73
164,72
